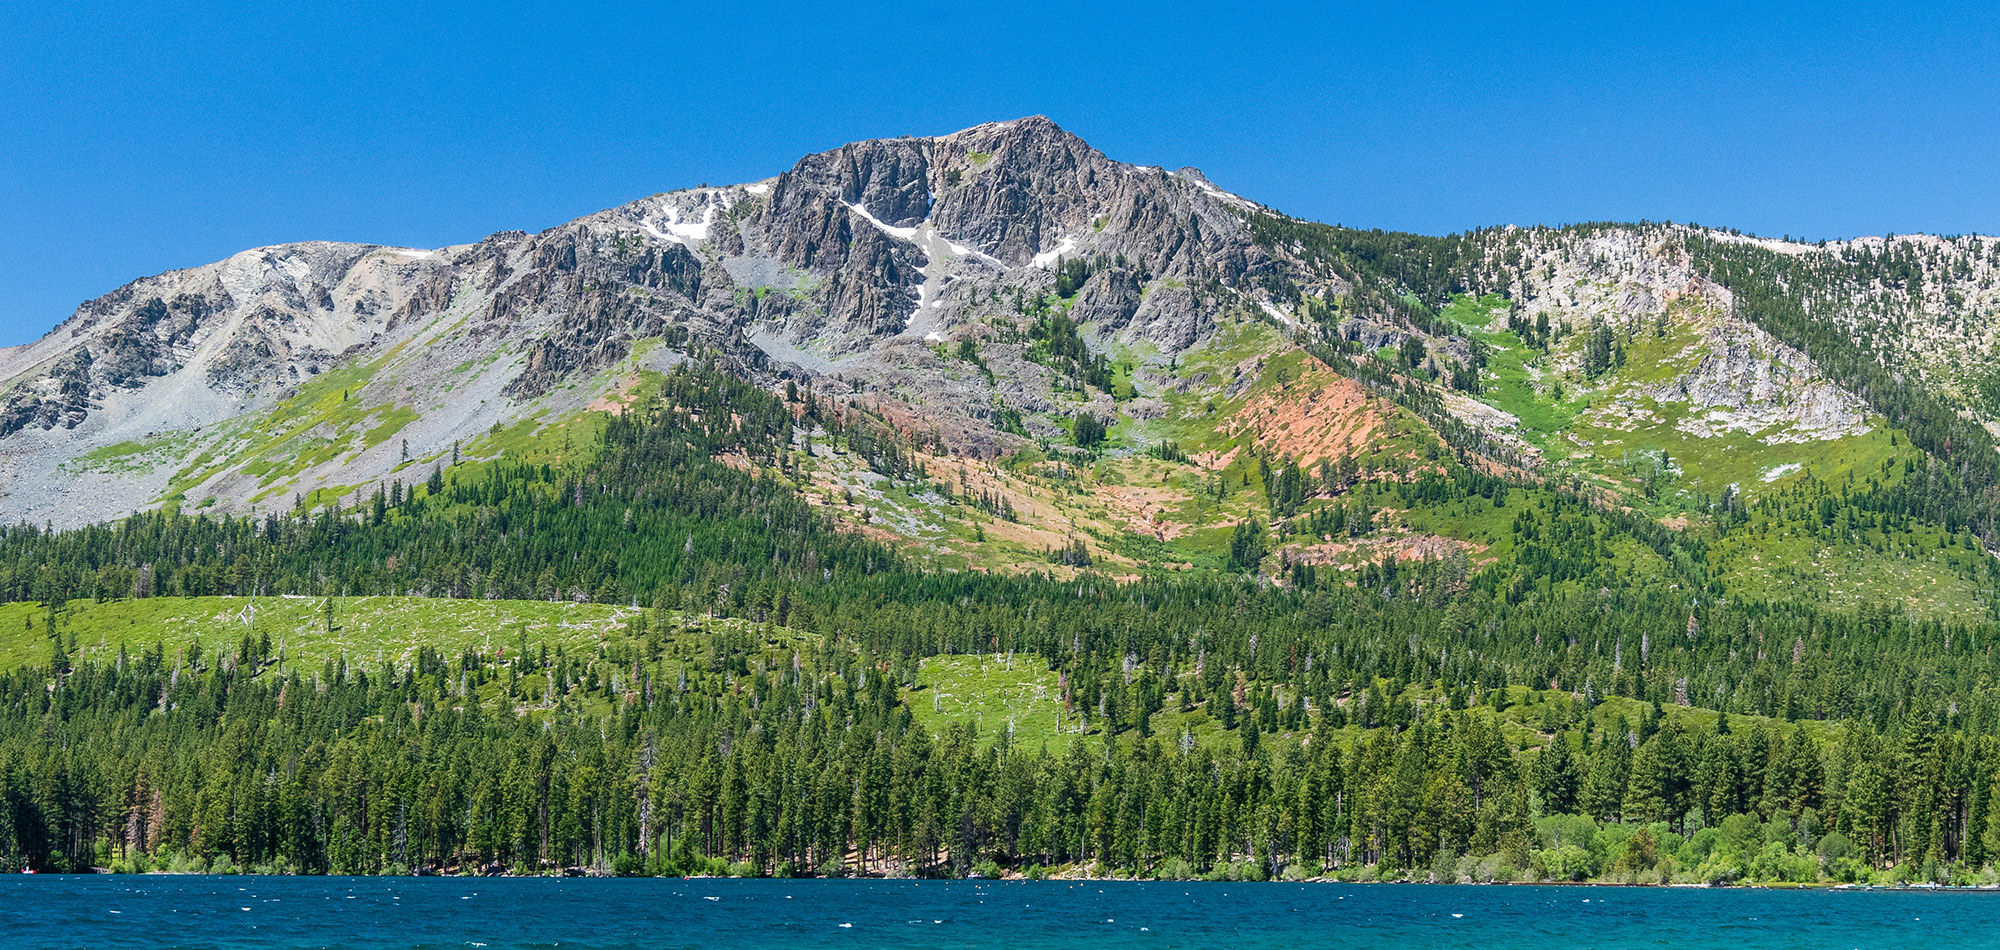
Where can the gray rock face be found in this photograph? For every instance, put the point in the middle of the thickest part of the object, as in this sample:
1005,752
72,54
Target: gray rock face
872,221
1109,300
891,178
252,324
1173,317
1013,189
1748,382
857,252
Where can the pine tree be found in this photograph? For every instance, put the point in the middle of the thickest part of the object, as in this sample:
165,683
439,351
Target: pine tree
1603,795
1246,546
1557,778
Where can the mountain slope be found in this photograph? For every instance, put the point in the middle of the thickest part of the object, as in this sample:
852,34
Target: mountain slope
845,264
1067,361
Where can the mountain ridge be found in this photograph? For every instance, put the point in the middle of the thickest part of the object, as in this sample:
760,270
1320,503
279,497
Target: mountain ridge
1060,328
161,314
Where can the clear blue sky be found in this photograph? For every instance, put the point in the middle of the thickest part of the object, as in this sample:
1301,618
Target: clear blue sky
142,137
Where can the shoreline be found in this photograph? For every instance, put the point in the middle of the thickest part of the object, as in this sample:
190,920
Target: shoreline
1078,879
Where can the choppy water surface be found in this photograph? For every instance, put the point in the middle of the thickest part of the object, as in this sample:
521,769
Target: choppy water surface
499,914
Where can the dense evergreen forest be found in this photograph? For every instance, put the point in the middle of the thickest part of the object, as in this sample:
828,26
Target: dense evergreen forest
1368,729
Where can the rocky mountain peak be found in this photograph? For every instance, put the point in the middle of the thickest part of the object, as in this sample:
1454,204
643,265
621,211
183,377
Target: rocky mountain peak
856,261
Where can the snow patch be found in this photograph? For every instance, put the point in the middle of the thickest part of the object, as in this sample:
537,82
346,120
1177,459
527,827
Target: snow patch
930,241
1049,257
926,319
758,189
690,230
907,234
926,237
1769,244
963,251
1217,193
683,231
416,254
1780,471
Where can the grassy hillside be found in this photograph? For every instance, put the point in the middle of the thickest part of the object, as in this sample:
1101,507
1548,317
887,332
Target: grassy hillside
1194,456
367,629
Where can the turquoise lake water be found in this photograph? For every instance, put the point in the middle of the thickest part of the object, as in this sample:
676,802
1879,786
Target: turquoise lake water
499,914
